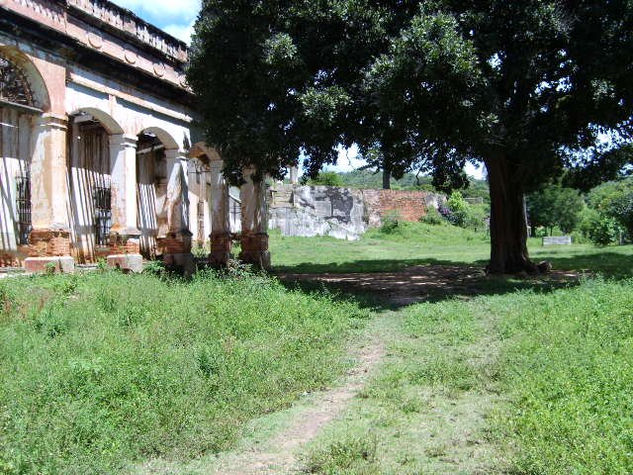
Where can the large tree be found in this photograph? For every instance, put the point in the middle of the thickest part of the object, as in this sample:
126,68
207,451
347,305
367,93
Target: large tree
520,86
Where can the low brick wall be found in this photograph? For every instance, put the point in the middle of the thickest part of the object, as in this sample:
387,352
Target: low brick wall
408,205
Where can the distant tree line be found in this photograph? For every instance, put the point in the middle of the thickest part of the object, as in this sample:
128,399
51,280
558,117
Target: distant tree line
370,180
603,215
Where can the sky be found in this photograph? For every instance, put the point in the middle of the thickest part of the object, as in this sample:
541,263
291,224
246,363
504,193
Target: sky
177,19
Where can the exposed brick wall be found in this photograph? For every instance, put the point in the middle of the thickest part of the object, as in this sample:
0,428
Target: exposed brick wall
46,243
408,205
174,244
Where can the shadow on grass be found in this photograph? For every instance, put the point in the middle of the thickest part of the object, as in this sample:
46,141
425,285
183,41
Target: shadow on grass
611,265
392,284
367,266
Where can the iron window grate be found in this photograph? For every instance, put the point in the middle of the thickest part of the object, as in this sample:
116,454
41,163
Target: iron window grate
102,198
23,205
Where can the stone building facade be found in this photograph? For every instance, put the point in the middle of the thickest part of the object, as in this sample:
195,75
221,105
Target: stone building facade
99,157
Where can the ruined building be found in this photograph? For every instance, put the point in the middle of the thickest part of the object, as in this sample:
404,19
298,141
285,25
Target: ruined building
99,155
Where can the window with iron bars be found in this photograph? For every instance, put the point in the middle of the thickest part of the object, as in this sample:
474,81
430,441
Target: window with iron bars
102,199
23,207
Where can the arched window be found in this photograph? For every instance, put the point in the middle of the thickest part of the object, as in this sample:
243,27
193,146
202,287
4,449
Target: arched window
17,109
14,87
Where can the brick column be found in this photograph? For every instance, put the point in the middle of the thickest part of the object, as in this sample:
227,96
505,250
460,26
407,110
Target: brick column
49,241
254,221
124,233
220,220
176,246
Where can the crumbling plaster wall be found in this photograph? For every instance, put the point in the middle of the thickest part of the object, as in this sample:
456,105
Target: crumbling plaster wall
343,213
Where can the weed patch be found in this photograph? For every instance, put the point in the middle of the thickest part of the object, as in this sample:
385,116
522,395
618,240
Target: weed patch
105,369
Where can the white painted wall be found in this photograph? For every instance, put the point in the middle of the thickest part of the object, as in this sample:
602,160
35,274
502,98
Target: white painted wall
16,130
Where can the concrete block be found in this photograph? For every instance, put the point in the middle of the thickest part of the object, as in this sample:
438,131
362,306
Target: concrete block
126,262
41,265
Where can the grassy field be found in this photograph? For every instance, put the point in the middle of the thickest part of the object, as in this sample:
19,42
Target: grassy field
521,383
419,244
529,381
98,371
102,372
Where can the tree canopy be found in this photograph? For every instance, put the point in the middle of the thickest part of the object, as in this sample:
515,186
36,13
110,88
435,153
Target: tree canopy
427,85
555,205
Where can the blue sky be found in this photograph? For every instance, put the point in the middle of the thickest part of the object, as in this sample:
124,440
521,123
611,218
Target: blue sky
177,17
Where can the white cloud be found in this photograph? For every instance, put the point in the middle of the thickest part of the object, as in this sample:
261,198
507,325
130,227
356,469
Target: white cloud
348,160
182,32
157,10
475,171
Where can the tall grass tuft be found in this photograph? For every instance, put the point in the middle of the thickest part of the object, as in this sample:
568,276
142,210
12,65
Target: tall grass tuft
106,369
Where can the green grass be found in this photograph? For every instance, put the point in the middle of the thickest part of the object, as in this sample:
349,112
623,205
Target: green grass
567,365
420,244
526,382
534,379
100,371
377,251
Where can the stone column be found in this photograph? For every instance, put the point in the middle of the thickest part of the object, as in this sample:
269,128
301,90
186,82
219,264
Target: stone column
221,242
124,233
294,175
177,245
254,221
49,241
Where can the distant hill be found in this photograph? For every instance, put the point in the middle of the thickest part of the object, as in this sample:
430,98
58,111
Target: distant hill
368,179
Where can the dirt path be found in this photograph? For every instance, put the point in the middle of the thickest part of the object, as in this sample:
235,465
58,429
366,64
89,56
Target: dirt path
273,444
279,455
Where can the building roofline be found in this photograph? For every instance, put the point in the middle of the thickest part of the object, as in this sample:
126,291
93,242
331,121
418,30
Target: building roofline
125,23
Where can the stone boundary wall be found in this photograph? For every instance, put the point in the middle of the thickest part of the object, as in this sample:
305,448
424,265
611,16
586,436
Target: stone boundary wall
343,213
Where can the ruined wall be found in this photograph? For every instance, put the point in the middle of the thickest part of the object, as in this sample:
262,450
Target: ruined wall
342,213
317,211
406,205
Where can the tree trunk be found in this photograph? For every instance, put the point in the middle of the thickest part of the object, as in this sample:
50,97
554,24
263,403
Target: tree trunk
508,223
386,179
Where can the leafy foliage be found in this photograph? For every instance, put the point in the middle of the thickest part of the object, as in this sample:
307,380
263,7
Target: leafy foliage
326,179
601,229
554,206
432,217
423,85
615,200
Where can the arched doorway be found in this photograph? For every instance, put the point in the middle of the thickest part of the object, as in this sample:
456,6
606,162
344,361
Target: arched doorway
18,117
152,189
163,201
90,168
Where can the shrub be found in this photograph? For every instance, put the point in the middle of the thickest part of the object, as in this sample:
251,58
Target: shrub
432,217
615,199
599,228
390,222
327,179
458,209
476,217
154,267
